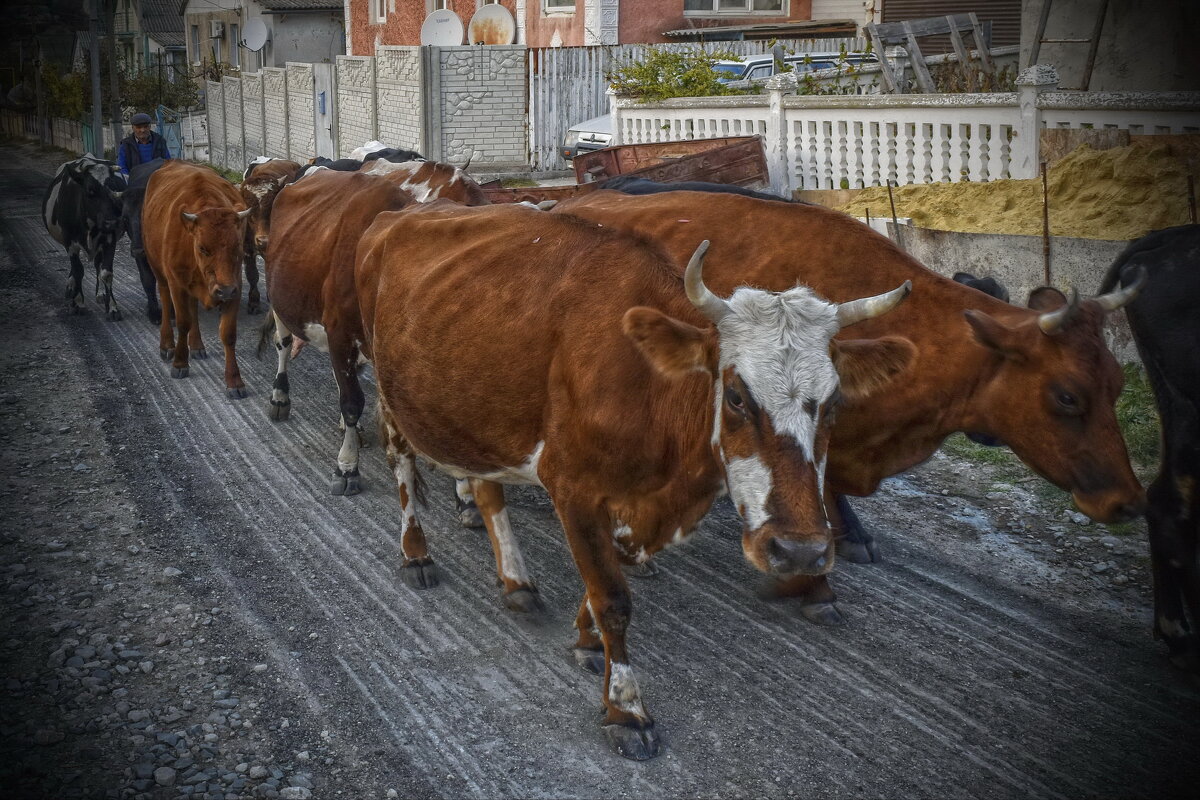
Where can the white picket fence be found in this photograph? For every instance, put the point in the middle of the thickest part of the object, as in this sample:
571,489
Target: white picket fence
567,85
852,142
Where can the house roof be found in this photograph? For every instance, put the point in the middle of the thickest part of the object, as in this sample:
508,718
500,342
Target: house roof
163,22
283,6
767,30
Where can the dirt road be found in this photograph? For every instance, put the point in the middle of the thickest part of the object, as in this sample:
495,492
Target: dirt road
152,521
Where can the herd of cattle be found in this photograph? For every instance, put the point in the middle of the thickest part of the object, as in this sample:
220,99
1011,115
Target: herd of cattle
638,355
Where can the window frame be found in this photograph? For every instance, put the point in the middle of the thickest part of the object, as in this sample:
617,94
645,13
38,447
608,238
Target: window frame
715,10
548,10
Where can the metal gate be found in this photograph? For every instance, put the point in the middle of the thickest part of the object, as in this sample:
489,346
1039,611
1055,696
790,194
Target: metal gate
169,129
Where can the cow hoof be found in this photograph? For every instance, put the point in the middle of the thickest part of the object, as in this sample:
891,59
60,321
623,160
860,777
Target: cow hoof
420,573
199,352
279,410
859,552
179,372
166,355
345,483
589,660
468,514
114,315
235,392
824,614
647,569
636,744
524,600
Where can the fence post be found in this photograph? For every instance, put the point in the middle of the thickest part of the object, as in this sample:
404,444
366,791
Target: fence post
1026,154
614,110
776,143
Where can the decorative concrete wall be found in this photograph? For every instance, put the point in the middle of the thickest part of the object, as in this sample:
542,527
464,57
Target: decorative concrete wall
216,123
252,115
400,112
355,102
482,119
301,110
275,112
235,145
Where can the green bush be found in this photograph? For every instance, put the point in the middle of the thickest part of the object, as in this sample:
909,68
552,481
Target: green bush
662,74
1137,414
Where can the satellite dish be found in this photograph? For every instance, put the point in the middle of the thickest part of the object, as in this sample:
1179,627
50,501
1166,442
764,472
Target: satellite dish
442,28
492,24
255,34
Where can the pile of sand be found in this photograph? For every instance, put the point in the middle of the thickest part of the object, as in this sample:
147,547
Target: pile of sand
1121,193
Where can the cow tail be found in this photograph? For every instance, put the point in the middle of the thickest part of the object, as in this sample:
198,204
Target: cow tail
264,332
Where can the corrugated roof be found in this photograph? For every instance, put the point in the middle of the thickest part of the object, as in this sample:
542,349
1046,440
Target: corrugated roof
163,22
763,30
301,5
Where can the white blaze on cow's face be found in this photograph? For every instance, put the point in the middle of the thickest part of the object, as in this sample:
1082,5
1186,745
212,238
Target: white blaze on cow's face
777,384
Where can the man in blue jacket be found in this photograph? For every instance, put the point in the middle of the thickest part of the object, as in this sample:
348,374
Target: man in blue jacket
140,146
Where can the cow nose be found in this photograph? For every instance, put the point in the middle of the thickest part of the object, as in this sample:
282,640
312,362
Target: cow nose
261,242
224,293
1129,511
787,556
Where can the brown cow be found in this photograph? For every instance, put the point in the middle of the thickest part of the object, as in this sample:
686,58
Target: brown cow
1042,381
261,181
317,222
631,396
193,227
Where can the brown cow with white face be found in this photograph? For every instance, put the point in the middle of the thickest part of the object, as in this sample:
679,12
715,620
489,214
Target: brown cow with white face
316,223
261,182
193,227
633,397
1040,380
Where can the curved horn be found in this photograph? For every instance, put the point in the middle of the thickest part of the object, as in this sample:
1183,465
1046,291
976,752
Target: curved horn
711,306
1053,322
854,311
189,217
1119,297
244,214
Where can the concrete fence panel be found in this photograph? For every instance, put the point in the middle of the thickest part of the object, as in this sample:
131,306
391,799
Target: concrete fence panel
216,124
301,112
356,96
399,87
254,134
235,144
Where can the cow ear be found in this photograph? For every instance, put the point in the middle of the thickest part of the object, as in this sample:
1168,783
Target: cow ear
1046,298
672,347
994,335
866,365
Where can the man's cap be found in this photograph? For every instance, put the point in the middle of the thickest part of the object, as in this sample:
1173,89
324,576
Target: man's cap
140,119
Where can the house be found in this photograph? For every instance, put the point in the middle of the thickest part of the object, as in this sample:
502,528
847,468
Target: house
149,35
247,35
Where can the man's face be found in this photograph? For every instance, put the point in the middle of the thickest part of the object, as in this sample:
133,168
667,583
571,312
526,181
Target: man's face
142,132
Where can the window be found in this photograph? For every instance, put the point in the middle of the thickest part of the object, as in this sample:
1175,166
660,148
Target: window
235,45
216,49
436,5
558,6
195,44
379,9
775,8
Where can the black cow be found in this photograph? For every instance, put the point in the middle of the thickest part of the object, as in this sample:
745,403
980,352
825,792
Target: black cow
135,195
631,184
396,156
82,211
987,285
1166,327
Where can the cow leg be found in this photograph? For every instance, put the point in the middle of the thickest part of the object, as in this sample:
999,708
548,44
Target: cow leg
280,407
194,340
104,278
854,543
75,301
234,386
817,600
519,592
1173,553
464,505
417,569
344,356
627,724
250,265
153,309
185,321
166,334
588,649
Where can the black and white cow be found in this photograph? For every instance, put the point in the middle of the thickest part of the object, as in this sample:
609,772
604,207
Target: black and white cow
82,211
1166,326
135,194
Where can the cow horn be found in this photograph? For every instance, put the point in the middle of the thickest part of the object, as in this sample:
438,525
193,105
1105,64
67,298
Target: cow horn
711,306
867,307
244,214
189,217
1052,322
1119,297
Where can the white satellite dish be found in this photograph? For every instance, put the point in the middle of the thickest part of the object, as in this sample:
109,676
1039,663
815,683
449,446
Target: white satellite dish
492,24
255,34
442,28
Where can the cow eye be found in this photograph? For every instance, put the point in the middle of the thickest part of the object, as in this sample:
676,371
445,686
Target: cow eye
1067,403
734,399
203,251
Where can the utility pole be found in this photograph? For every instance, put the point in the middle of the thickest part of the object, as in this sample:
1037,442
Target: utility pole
97,111
114,69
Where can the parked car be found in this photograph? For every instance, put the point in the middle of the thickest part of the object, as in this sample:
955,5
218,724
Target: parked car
596,133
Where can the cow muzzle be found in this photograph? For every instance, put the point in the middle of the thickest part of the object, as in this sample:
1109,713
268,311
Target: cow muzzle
781,556
1112,508
223,294
261,242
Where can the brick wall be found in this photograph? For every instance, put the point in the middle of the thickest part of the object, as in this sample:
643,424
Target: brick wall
252,115
301,134
275,112
355,102
399,76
